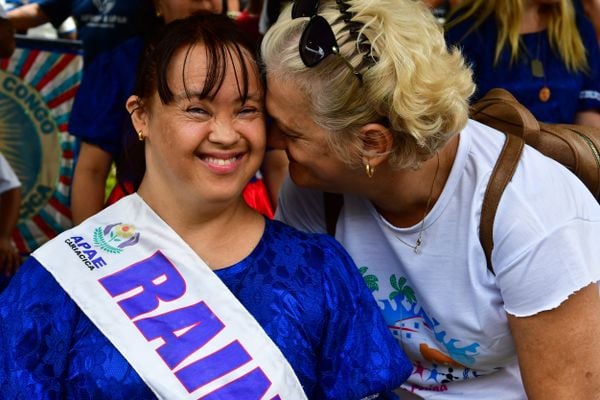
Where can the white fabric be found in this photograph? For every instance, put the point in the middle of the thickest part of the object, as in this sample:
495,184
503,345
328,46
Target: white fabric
451,317
108,263
8,178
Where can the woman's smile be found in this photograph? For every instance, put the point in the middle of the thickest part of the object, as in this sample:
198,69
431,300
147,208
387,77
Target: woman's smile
222,164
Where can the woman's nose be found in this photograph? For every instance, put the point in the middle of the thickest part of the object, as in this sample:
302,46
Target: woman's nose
223,132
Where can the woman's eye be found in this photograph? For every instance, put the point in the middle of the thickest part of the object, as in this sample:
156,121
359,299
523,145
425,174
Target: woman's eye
196,110
289,136
248,111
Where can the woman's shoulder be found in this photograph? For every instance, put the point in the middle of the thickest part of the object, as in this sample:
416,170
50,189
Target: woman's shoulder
33,284
585,26
282,233
466,30
319,253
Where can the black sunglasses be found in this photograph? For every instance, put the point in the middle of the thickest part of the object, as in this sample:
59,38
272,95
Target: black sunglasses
318,40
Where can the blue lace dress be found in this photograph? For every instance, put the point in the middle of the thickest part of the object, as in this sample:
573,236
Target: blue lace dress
302,288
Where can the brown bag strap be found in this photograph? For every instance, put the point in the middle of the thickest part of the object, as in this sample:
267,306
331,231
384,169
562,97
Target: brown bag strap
501,175
501,110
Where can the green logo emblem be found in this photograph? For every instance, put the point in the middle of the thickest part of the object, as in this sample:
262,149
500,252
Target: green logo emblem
114,238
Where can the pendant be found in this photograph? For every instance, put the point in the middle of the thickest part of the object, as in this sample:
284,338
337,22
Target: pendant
417,247
537,68
544,94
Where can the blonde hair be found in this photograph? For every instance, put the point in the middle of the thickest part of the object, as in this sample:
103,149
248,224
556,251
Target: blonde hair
563,34
413,85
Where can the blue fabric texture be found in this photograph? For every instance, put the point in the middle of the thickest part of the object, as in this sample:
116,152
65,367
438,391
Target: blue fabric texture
302,288
570,92
101,25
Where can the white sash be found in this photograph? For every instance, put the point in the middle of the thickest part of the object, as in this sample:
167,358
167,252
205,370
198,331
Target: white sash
165,310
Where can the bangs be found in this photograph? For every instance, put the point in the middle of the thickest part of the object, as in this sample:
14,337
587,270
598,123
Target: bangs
227,48
220,58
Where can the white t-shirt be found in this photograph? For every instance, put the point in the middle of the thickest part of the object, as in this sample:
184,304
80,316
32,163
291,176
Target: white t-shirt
442,305
8,179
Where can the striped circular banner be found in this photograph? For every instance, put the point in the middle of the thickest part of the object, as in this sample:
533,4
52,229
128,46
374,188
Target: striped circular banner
37,87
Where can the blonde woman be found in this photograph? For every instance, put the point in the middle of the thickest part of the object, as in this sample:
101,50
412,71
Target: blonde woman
370,103
544,53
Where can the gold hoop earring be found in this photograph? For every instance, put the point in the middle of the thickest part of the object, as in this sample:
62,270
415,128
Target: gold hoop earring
369,170
140,136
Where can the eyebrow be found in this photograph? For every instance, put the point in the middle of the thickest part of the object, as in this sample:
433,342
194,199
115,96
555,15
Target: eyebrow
255,97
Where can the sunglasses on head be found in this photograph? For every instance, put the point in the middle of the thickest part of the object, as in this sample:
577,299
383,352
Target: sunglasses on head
318,40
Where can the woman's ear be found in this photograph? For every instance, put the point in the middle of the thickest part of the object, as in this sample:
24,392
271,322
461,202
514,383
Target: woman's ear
377,142
137,113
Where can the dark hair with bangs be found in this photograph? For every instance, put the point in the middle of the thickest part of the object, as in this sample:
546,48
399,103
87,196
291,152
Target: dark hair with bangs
224,42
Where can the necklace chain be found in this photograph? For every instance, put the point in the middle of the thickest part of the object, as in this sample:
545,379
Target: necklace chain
537,67
419,241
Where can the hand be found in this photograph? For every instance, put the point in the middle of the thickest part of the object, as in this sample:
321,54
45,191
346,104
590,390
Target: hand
10,260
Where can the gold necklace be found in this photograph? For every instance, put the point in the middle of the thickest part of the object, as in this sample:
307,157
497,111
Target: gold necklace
419,241
537,68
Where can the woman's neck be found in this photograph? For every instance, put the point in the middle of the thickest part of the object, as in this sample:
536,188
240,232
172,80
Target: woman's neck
535,18
416,192
221,236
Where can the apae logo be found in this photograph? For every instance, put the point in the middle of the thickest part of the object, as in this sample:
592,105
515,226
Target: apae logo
114,238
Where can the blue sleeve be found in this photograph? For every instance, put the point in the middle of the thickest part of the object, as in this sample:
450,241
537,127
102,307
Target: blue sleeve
49,349
359,355
34,334
99,116
589,97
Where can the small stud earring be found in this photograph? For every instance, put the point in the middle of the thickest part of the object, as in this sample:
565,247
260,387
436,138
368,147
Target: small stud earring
140,136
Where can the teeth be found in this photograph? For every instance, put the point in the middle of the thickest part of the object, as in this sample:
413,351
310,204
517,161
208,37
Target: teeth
220,161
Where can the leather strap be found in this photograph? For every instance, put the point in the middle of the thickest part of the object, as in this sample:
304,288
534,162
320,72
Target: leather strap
501,175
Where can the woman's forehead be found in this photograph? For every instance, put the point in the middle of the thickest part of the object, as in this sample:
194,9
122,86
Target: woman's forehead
192,68
196,60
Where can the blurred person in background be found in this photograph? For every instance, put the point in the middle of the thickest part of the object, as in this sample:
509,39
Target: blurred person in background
541,51
101,24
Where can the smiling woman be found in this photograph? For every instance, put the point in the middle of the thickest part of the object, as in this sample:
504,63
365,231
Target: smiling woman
204,128
182,290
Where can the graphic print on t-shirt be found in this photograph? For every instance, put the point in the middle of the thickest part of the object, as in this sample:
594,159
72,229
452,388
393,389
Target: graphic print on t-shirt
437,359
104,6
